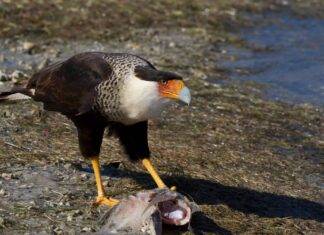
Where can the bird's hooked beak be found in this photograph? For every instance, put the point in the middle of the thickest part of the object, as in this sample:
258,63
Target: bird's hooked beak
175,89
185,96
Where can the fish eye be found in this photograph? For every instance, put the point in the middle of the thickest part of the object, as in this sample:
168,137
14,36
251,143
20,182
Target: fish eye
164,82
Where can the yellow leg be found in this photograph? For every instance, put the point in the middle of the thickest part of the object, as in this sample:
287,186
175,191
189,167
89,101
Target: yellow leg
149,167
101,199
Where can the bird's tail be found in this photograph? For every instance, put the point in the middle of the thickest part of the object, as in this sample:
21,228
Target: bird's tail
16,94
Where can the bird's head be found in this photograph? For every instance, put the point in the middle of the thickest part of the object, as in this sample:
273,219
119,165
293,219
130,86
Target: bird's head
174,89
147,92
170,85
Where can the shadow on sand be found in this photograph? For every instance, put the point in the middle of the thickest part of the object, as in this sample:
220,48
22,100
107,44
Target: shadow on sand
244,200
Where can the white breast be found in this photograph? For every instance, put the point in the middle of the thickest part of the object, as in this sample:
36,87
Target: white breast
140,100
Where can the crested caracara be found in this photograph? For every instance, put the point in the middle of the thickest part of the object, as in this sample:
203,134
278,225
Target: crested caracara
98,90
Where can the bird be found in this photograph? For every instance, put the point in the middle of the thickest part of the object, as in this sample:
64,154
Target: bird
99,90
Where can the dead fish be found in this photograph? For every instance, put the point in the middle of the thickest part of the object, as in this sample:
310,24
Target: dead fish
144,213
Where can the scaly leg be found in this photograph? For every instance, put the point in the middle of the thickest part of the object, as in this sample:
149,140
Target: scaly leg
149,167
101,199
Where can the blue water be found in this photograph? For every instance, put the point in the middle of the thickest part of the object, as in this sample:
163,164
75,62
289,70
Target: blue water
286,53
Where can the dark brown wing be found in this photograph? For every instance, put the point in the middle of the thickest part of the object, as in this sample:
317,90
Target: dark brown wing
69,86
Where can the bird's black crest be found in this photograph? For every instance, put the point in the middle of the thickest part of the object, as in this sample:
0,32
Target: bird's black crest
150,74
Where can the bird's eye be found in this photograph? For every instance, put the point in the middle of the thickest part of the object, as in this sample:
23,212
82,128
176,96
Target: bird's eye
164,82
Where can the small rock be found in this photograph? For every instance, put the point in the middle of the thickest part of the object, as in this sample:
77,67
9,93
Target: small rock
2,192
10,175
27,46
8,114
73,179
73,214
7,176
67,166
57,230
51,204
172,44
17,75
2,222
106,183
4,77
86,229
223,51
64,203
32,203
77,212
23,186
84,176
69,218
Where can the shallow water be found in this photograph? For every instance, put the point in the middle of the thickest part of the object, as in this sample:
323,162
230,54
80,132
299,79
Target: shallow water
285,52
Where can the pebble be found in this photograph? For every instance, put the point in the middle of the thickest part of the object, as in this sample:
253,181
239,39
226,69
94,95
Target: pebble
8,114
64,203
15,75
86,229
32,203
8,164
18,74
57,230
28,45
7,176
172,44
23,186
67,166
85,176
77,212
2,192
73,214
106,183
4,77
52,204
69,218
46,189
2,222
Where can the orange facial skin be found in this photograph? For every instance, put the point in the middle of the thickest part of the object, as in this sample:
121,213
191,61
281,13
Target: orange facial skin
170,88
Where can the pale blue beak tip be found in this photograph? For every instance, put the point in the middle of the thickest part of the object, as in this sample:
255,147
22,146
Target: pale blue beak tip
185,96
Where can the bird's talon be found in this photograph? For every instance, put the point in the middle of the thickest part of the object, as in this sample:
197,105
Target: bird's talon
173,188
107,201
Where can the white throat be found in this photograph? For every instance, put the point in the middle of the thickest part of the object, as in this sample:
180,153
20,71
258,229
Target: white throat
140,100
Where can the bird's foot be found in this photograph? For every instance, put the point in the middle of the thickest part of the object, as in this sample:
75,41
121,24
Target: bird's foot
173,188
107,201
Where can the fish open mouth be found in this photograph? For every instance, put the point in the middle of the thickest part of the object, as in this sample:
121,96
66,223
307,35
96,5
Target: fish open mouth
174,213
